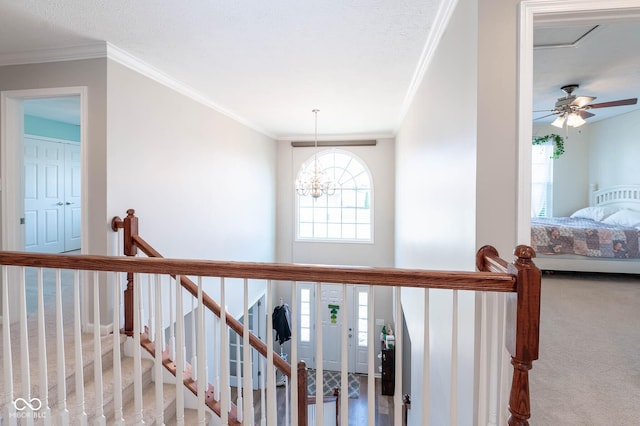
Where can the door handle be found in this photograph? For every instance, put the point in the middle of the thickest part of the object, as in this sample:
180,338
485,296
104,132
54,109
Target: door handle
68,203
59,203
350,335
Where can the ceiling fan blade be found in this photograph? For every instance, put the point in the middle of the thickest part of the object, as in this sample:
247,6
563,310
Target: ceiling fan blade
545,116
582,101
584,114
630,101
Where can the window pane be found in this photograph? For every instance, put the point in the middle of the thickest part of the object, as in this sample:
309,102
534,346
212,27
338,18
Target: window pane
334,231
305,295
362,339
305,321
362,324
305,308
362,312
340,215
363,298
305,335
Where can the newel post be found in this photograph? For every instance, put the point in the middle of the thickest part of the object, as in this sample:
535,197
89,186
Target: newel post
130,227
523,331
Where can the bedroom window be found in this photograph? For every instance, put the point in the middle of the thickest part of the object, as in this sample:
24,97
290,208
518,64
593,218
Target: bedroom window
347,215
542,180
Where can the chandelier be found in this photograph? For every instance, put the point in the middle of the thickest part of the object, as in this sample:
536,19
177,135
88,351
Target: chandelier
312,179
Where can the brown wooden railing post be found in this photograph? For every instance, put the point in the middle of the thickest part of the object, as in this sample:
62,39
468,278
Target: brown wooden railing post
130,227
303,410
523,331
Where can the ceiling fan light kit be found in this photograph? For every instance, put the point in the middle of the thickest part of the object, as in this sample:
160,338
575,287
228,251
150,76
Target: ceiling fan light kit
572,110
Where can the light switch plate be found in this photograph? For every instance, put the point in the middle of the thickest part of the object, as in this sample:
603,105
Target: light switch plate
379,321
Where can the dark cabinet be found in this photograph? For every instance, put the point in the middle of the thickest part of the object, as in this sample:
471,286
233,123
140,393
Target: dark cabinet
388,371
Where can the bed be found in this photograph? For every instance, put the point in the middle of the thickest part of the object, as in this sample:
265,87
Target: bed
603,237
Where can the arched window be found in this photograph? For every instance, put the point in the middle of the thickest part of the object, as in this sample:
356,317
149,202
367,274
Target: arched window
347,214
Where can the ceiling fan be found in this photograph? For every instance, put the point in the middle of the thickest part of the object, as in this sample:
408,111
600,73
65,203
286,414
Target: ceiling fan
572,109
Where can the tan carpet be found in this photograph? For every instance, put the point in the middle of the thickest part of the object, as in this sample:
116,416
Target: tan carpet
589,367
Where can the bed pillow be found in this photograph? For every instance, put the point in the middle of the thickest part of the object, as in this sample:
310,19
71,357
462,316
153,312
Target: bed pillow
625,217
594,213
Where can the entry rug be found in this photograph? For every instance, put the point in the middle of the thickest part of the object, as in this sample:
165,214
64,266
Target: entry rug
332,380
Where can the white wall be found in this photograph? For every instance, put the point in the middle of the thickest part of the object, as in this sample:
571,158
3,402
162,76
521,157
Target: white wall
202,184
436,208
571,170
615,150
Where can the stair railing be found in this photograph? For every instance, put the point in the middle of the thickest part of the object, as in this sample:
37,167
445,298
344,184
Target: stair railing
520,280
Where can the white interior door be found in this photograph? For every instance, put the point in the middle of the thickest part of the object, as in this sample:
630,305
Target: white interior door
51,195
43,195
72,207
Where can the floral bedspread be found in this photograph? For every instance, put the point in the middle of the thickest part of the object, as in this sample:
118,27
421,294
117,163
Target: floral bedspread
563,235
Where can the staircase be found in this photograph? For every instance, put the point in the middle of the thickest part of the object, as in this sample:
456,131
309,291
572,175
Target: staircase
73,401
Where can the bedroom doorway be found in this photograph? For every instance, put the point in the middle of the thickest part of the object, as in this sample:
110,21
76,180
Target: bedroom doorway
558,13
13,105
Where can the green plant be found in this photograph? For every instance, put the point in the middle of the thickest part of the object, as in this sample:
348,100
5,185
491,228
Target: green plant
558,143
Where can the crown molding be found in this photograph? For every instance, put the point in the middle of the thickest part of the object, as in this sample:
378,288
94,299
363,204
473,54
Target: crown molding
110,51
56,54
124,58
435,34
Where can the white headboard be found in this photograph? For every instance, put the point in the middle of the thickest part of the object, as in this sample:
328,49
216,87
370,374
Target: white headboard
623,196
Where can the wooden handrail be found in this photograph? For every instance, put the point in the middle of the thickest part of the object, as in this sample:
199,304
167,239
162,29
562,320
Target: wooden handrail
210,304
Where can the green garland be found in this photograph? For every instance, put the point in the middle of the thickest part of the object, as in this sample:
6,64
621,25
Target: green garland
558,144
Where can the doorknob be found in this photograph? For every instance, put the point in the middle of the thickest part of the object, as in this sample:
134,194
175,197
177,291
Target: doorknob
350,335
59,203
68,203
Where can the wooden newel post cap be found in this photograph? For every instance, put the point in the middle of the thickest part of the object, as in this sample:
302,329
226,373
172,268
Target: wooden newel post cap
131,212
524,253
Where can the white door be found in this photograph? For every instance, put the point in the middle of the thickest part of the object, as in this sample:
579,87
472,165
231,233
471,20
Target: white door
332,306
51,195
44,196
72,216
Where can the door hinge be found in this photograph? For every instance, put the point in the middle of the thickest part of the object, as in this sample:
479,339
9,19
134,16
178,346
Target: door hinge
22,221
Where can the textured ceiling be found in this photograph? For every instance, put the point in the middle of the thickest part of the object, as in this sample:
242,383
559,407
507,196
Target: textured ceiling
270,63
604,63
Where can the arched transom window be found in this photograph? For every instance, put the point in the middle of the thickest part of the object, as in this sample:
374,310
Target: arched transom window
345,215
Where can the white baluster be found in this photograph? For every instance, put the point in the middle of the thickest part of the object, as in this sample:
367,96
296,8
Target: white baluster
97,352
239,406
453,397
494,365
172,335
263,411
319,358
248,368
483,381
63,413
224,358
117,361
159,350
151,320
80,414
194,352
371,396
42,354
426,384
216,359
137,355
270,371
200,343
24,346
344,379
397,396
9,409
294,352
180,354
